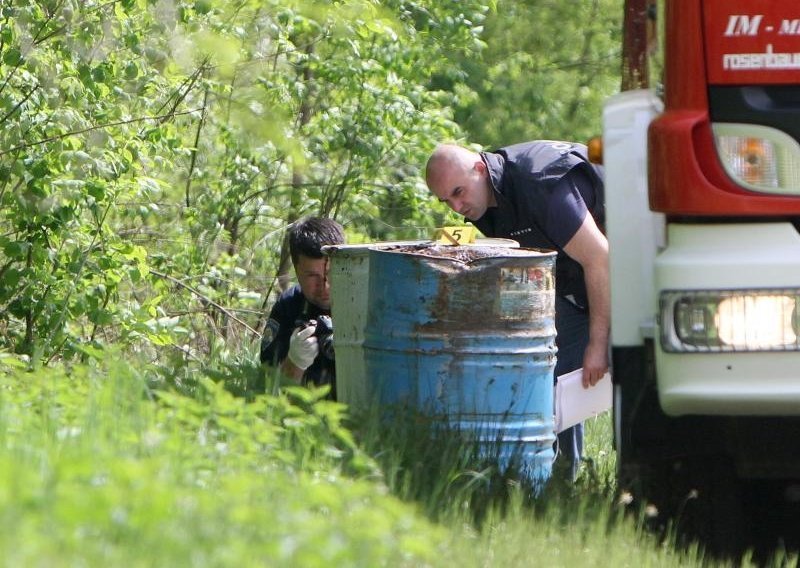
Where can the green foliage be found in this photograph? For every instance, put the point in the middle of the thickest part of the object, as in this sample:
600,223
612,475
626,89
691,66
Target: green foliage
76,133
151,152
546,70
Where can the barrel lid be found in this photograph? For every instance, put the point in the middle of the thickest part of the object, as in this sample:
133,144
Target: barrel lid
364,248
467,254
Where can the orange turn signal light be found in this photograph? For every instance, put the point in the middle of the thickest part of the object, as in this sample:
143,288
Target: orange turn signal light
595,147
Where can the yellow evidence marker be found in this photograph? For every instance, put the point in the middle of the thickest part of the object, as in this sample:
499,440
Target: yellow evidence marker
455,235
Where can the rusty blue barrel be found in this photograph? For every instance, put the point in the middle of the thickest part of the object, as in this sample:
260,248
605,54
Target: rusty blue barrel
349,278
467,336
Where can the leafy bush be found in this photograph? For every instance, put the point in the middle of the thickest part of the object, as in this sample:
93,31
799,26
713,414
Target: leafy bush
153,153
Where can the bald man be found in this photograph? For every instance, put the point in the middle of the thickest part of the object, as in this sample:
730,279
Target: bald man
543,194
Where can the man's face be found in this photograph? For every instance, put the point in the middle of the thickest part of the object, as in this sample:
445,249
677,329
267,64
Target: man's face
466,190
312,275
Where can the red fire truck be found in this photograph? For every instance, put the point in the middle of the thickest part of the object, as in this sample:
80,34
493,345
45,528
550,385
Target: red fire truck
703,217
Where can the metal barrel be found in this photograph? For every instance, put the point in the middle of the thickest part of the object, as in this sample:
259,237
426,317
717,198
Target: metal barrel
467,335
349,280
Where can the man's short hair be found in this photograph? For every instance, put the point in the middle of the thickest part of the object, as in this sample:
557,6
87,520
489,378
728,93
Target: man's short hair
308,235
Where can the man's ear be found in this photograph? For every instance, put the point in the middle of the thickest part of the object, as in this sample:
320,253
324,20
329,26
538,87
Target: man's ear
480,167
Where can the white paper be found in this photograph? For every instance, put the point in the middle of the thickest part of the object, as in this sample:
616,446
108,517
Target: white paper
575,404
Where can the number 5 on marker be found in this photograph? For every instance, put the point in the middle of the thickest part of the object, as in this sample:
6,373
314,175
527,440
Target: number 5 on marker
455,235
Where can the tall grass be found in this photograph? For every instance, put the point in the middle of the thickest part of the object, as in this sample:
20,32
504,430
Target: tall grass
98,468
496,518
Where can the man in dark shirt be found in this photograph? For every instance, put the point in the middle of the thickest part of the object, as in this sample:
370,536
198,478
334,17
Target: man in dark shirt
290,340
544,194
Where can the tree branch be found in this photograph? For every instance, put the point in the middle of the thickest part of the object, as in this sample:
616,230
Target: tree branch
194,148
205,299
96,127
19,104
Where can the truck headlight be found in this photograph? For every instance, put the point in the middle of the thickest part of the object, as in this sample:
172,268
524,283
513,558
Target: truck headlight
759,158
730,320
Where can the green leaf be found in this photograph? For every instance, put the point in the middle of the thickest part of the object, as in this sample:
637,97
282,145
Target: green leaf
90,350
10,280
96,190
16,249
12,57
131,70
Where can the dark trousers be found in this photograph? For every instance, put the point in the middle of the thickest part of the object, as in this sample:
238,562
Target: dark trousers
572,337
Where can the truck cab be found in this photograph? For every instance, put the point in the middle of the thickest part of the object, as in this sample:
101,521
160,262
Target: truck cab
703,221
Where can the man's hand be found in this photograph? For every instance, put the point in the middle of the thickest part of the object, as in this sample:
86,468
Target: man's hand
595,364
303,347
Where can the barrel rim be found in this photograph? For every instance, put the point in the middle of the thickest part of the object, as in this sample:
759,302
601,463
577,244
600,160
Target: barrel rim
513,253
333,250
366,247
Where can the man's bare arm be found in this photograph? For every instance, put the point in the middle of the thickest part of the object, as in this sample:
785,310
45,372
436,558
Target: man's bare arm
590,248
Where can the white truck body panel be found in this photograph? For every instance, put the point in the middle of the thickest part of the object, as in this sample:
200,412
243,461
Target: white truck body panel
635,234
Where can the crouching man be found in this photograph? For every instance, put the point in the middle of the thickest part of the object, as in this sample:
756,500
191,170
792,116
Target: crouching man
297,337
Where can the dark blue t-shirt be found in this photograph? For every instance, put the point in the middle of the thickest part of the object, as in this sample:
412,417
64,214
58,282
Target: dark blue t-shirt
567,207
290,309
